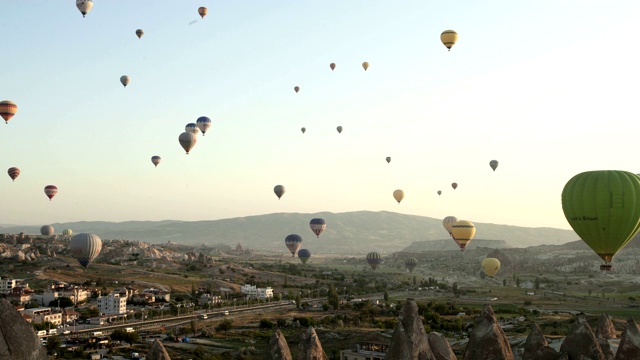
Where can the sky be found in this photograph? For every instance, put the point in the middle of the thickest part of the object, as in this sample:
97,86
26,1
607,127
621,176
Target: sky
547,88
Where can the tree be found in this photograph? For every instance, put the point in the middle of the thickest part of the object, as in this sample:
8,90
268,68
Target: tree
298,301
62,302
537,283
53,344
333,298
225,325
386,296
194,326
504,282
518,282
414,280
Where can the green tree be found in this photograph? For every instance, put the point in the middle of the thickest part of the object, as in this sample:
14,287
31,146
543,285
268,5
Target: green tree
53,344
194,326
414,280
386,296
225,325
537,283
518,282
62,302
504,282
298,301
333,298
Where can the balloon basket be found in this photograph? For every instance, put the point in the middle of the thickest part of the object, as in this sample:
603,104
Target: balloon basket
606,267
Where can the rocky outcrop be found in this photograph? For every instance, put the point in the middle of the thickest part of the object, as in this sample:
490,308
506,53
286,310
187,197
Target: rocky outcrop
310,347
440,347
605,328
409,340
157,352
278,347
629,348
606,348
17,338
536,347
581,341
487,339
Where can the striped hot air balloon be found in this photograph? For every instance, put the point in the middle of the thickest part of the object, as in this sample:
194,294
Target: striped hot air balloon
13,172
374,259
203,123
449,38
50,191
411,264
203,11
317,226
448,222
463,232
85,248
67,232
293,243
7,110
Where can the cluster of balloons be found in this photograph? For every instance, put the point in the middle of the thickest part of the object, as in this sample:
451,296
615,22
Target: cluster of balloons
293,242
461,231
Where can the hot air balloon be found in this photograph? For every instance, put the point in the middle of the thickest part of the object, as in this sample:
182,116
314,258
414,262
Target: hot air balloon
192,128
448,222
187,141
139,33
155,159
85,248
296,89
411,264
124,79
202,11
50,191
332,66
603,208
7,110
490,266
374,259
317,226
439,192
84,6
449,38
388,159
365,65
493,164
304,255
13,172
293,243
398,195
67,232
339,128
46,230
303,130
454,185
279,190
463,232
204,123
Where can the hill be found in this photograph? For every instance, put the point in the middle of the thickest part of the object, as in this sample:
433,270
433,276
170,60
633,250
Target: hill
349,233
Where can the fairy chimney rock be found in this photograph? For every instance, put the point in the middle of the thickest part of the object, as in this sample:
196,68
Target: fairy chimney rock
440,347
310,347
581,341
18,340
157,352
629,348
409,340
605,328
536,347
487,339
278,347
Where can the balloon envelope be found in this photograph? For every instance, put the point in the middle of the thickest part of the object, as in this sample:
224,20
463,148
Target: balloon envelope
332,66
203,11
84,6
398,195
293,243
192,128
303,130
603,208
8,109
204,123
454,185
448,222
156,160
279,190
139,33
490,266
411,263
296,89
304,255
463,232
13,172
449,38
365,65
187,141
46,230
388,159
50,191
85,248
493,164
374,259
67,232
124,79
439,192
339,128
317,225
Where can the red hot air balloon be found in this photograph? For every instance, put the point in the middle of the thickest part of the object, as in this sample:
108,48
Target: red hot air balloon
50,191
13,172
7,110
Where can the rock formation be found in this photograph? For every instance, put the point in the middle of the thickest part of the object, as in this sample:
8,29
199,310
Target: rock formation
536,347
440,347
581,341
605,328
17,338
629,347
278,347
409,340
157,352
310,347
487,339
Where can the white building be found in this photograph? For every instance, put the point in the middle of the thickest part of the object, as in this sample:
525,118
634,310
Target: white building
112,304
206,299
265,293
7,284
252,292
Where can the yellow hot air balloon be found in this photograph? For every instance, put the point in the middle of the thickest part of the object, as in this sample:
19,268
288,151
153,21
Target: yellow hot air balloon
398,195
448,223
463,232
365,65
490,266
449,38
603,208
203,11
8,109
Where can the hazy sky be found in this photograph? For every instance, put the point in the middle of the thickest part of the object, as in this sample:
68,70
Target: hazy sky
547,88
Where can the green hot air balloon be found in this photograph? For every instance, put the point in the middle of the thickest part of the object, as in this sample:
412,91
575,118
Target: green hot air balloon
603,208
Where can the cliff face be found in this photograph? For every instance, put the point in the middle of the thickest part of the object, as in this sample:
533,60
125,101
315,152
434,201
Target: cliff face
581,341
17,338
629,342
310,347
487,340
157,352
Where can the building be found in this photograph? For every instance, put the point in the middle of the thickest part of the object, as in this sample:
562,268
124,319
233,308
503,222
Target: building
112,304
252,292
7,284
366,350
265,293
43,314
19,295
208,299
